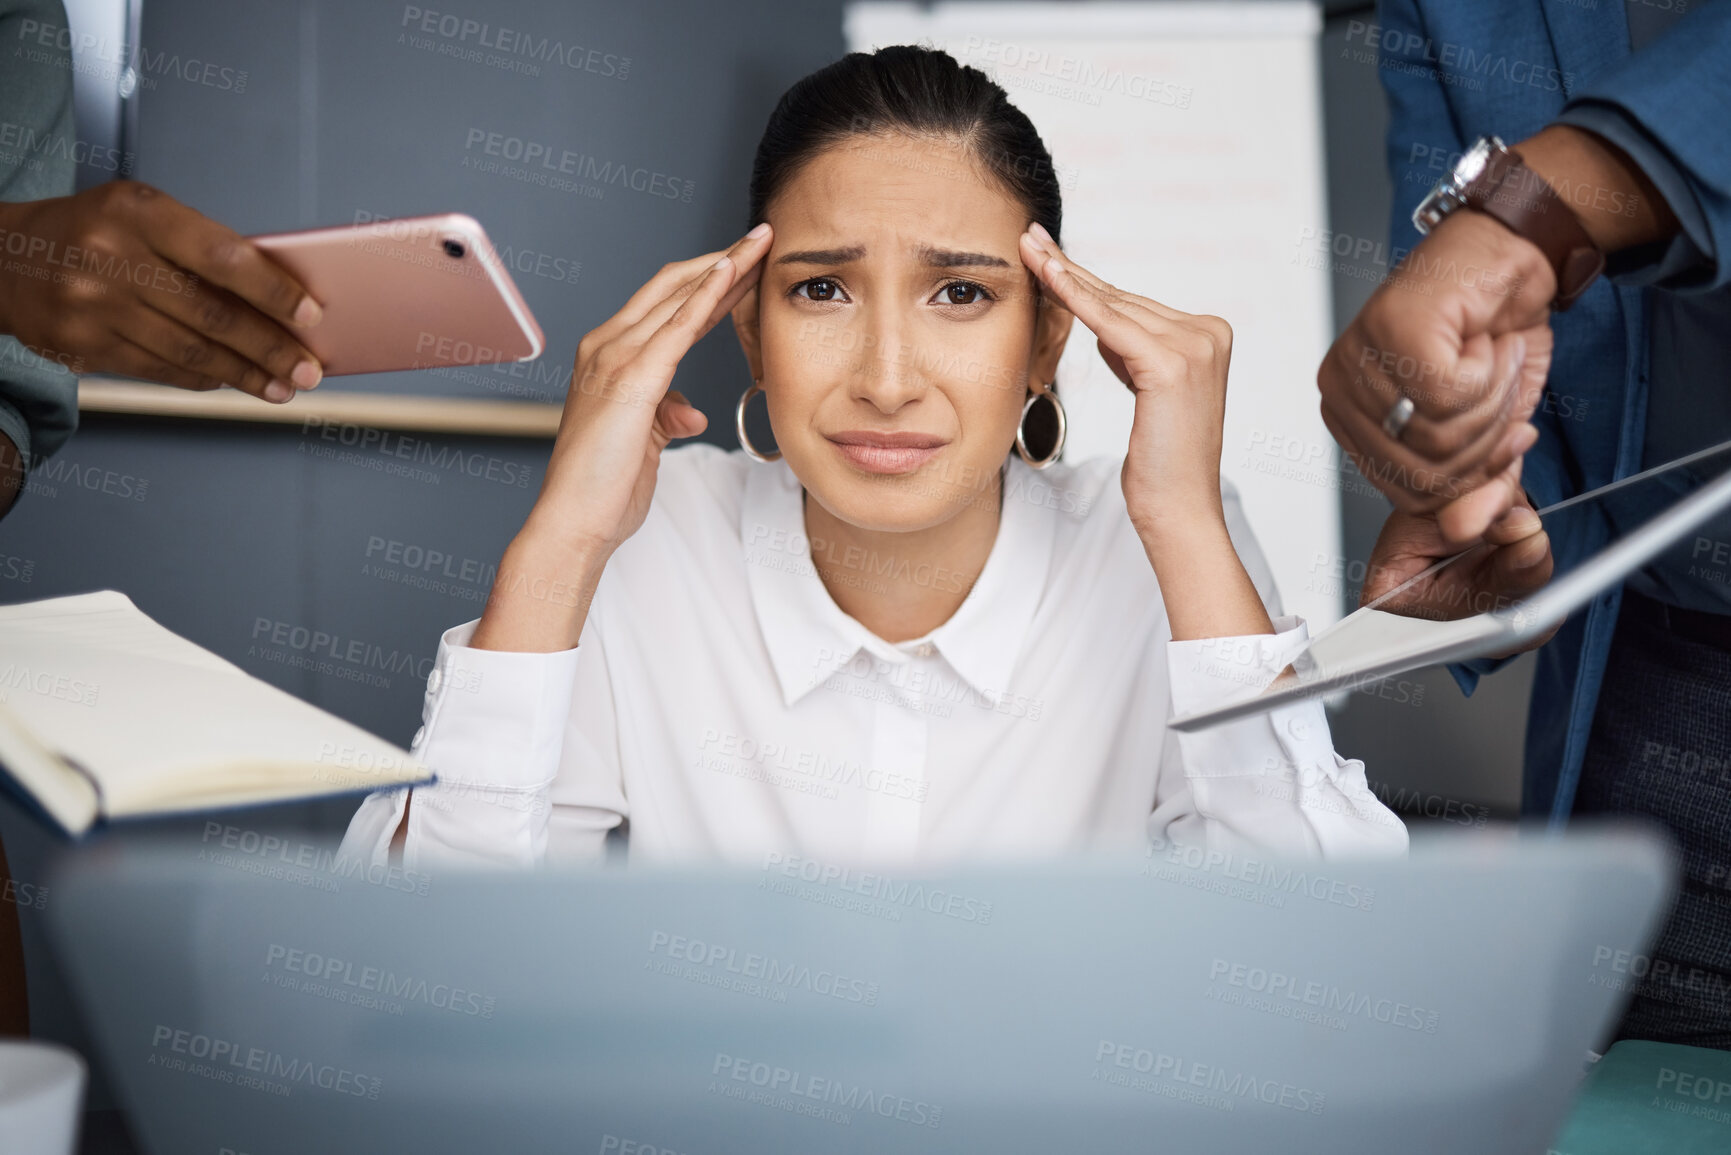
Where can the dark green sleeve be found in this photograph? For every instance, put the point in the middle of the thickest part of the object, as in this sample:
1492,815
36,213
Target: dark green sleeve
38,398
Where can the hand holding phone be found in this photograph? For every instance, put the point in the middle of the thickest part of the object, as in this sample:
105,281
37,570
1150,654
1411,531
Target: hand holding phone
122,278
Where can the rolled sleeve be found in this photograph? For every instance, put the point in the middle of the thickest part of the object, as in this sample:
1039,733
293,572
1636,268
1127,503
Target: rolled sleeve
492,731
1272,781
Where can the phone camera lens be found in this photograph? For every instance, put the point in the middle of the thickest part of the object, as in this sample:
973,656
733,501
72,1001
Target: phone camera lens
455,249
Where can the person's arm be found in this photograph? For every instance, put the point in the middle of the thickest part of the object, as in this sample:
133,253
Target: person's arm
38,412
526,749
1422,145
523,661
619,415
1176,365
1613,198
1464,333
1658,117
1664,106
1272,783
38,394
121,278
131,281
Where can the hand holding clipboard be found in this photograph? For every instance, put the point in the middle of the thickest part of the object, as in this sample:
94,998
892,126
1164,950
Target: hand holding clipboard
1372,643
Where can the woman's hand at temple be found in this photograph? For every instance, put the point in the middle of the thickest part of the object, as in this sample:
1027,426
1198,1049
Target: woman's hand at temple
619,416
1175,363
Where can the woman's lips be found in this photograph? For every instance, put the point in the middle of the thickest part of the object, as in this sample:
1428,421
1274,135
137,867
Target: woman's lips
887,453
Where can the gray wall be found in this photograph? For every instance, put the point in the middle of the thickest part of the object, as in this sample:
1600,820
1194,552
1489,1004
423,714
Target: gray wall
232,534
226,532
318,113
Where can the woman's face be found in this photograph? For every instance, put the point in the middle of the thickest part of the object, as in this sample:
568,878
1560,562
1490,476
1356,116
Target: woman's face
896,329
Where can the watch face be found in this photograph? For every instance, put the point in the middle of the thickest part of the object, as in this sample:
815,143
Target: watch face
1473,161
1448,196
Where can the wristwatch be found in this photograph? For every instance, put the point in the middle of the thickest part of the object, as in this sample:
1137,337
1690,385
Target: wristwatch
1490,178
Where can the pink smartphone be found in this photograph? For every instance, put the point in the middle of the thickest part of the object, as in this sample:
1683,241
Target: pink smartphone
413,293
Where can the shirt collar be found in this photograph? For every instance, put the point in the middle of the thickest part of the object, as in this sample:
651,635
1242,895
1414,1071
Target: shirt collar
809,637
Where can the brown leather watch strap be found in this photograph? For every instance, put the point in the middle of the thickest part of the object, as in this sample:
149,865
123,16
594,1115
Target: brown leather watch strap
1521,199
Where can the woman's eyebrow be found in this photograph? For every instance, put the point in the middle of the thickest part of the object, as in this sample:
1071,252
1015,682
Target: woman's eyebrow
822,256
950,259
935,258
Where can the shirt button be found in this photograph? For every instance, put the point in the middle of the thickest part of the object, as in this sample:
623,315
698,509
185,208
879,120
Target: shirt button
1298,728
926,650
435,680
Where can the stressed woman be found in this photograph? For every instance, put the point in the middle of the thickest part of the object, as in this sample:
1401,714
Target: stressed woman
907,633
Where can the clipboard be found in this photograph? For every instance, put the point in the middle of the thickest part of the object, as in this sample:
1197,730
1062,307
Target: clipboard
1371,644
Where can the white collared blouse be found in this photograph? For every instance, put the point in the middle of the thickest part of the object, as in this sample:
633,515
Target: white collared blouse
719,705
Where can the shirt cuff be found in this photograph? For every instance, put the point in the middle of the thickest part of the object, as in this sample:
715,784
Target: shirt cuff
1210,672
493,718
1687,257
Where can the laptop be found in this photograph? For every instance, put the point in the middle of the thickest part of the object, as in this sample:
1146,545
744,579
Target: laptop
1657,509
269,1001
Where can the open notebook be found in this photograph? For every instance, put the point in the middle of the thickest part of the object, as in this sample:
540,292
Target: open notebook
105,714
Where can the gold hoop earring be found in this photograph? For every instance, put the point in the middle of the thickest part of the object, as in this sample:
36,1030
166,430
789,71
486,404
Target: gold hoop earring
1050,394
739,424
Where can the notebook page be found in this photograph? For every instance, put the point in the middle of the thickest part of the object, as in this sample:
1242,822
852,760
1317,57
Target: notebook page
162,725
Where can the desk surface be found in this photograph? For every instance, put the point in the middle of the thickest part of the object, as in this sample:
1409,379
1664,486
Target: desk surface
1662,1098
